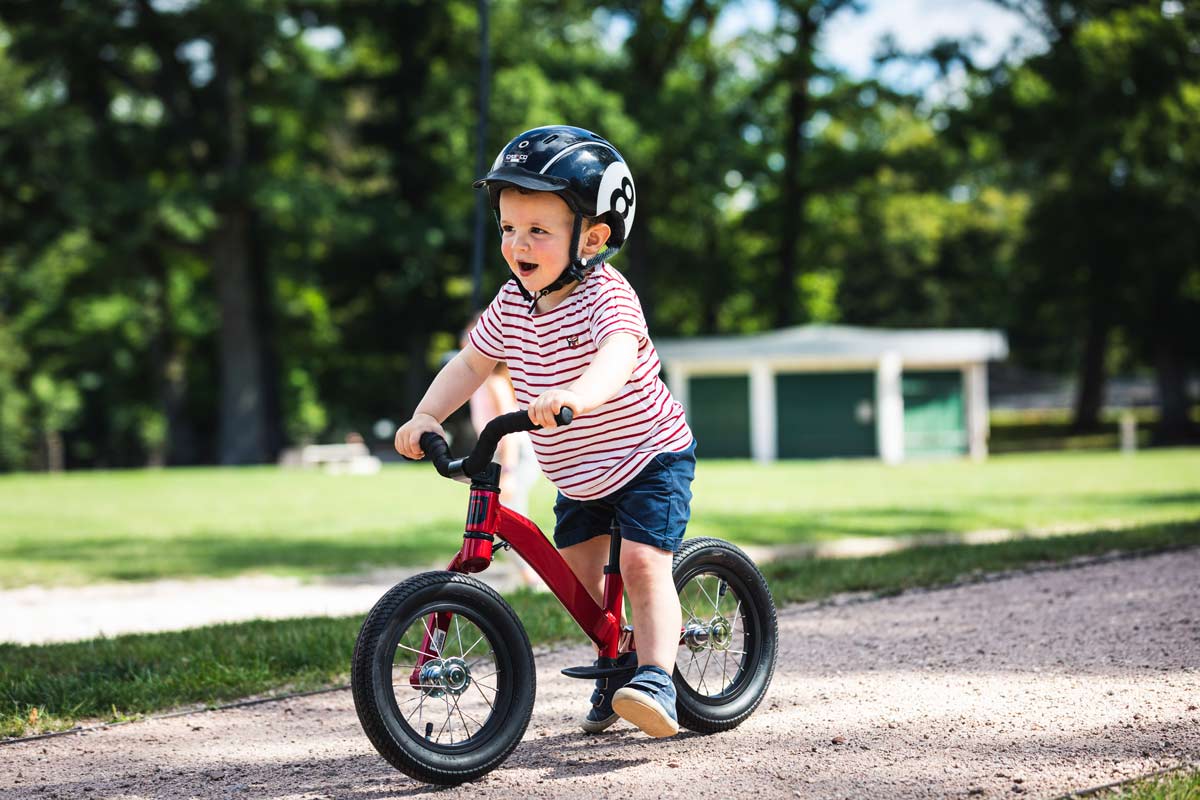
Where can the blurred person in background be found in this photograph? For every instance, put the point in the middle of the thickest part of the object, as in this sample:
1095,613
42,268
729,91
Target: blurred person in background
518,465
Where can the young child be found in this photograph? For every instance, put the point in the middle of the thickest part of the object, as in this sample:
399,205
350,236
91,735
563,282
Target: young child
573,334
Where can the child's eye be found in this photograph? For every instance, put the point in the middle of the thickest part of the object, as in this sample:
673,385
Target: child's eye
506,228
537,230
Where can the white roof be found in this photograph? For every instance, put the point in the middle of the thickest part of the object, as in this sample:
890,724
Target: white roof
841,344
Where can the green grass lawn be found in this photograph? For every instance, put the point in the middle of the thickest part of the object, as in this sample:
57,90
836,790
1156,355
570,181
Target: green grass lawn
142,524
1181,785
52,687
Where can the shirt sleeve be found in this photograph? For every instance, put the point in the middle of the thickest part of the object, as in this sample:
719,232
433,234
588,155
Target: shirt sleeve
617,310
488,334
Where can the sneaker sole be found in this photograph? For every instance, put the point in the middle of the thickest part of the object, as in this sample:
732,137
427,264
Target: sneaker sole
647,715
598,726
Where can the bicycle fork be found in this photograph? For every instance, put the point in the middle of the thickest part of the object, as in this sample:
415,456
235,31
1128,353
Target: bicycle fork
483,517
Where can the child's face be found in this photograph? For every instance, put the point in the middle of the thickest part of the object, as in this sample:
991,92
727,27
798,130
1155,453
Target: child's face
535,236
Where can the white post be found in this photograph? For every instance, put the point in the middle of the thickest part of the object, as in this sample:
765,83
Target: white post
889,409
677,382
762,412
1128,432
975,379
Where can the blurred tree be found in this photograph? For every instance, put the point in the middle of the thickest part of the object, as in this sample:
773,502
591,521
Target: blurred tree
179,112
1098,128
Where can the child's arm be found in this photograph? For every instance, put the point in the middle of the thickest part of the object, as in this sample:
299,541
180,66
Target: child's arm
604,377
452,387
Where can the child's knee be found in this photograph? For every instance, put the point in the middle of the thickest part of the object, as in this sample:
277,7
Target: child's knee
644,561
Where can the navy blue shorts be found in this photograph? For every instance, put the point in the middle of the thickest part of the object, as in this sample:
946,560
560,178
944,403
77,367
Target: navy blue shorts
653,508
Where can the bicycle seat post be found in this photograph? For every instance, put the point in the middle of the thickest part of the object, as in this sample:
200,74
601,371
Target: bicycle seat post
614,588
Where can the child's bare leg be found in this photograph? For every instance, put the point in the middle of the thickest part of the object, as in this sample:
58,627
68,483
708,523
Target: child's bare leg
654,603
587,560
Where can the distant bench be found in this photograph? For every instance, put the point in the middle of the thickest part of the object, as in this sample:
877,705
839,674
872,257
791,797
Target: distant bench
351,458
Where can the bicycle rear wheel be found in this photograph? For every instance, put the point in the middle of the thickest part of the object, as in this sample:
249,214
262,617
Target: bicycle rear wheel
443,678
730,638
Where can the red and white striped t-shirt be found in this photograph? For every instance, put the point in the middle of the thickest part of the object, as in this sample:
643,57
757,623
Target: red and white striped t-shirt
600,451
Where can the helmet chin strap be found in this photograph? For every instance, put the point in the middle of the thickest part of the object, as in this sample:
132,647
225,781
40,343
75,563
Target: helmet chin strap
577,270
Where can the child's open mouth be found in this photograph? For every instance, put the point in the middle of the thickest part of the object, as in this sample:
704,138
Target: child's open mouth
526,268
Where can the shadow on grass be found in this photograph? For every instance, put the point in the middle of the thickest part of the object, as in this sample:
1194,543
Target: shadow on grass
223,554
990,512
219,553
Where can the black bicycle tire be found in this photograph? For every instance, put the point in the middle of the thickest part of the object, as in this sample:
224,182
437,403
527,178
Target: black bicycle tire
513,654
709,717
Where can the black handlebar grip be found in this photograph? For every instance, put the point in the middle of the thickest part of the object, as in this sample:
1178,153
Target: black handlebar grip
438,451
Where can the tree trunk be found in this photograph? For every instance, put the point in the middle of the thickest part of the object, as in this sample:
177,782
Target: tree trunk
416,376
793,195
1089,395
264,315
55,460
170,367
1174,421
242,437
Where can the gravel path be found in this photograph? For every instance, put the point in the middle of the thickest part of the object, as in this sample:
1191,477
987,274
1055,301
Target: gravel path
1034,685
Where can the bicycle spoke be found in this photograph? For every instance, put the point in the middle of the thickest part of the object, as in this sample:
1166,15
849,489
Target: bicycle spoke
707,595
484,696
458,633
466,730
432,640
478,661
704,669
420,709
472,647
418,652
446,725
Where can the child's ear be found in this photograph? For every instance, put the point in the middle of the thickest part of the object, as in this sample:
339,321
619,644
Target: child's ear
595,237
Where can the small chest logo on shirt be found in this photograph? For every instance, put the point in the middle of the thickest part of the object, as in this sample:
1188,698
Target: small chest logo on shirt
573,341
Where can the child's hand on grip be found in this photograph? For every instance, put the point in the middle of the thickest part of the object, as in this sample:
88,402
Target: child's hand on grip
408,438
547,404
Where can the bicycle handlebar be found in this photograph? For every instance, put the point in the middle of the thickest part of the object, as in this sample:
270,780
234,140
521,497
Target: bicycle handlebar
438,451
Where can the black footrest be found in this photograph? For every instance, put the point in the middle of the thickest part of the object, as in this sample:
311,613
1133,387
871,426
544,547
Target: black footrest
592,673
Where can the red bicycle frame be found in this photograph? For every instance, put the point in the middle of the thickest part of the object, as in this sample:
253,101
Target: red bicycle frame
487,519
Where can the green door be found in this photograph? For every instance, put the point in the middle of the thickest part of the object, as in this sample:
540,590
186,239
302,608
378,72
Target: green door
934,420
719,414
825,414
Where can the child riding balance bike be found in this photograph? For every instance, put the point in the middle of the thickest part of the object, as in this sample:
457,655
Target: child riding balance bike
443,672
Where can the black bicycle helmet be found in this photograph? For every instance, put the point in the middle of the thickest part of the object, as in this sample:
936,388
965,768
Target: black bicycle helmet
586,171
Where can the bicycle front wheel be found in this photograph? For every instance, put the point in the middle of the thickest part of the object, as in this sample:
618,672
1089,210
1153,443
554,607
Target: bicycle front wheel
729,643
443,678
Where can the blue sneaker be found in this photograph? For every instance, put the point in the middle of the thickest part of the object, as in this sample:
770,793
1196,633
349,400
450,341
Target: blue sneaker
601,715
648,701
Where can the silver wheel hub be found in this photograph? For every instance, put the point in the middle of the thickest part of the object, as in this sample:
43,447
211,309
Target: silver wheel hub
445,676
716,634
722,633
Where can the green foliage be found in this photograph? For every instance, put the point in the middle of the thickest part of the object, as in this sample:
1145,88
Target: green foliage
146,148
